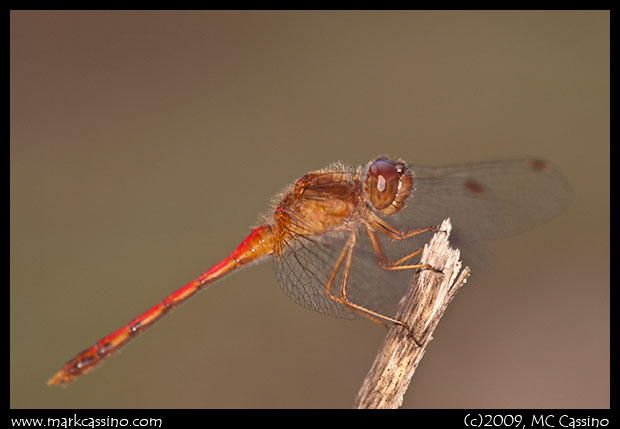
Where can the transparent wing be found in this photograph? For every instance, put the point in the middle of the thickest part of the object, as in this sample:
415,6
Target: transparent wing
485,200
304,268
307,263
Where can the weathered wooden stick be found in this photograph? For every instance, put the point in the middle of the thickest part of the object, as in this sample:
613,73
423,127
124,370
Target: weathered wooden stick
421,309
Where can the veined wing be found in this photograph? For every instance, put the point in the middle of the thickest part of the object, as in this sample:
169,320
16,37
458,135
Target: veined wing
485,200
305,266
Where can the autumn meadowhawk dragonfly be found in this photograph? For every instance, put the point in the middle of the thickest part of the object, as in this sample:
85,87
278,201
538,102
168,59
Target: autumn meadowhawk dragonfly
344,240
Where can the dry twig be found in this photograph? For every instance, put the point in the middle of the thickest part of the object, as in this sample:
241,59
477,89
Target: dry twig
421,309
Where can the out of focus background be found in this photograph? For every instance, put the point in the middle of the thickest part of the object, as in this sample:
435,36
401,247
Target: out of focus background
144,145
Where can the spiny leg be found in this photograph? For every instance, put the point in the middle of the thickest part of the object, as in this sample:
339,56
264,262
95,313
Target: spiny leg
385,263
376,223
397,265
347,253
409,256
395,233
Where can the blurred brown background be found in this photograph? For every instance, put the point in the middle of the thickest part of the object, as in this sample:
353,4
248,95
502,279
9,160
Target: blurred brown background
145,144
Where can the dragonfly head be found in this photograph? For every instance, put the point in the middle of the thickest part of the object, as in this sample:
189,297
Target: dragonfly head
388,184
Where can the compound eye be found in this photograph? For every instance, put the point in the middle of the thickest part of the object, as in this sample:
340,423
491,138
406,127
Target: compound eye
388,184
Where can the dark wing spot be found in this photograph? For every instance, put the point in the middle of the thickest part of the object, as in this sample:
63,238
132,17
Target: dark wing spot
539,165
474,187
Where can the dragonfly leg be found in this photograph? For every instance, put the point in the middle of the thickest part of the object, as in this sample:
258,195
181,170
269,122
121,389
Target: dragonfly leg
386,264
395,233
346,257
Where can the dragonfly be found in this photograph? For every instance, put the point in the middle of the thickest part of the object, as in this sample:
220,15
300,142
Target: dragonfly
343,240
